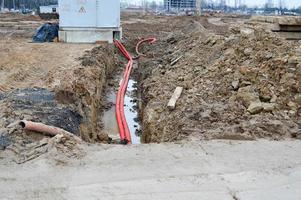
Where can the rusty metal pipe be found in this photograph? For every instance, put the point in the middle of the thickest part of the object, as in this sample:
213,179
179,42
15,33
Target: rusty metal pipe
49,130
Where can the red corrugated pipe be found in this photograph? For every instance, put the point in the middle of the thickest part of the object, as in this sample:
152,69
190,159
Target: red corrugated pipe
149,40
121,121
124,130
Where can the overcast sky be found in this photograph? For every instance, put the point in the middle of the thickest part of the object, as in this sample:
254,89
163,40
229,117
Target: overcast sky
288,3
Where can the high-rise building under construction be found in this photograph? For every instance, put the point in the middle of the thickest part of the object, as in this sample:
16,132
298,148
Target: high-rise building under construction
180,4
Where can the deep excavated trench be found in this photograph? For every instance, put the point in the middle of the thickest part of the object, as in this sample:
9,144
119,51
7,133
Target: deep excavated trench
110,125
88,91
130,102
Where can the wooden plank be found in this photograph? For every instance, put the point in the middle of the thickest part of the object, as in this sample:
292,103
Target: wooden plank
173,100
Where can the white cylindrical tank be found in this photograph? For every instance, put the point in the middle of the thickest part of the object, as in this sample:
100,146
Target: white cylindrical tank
85,15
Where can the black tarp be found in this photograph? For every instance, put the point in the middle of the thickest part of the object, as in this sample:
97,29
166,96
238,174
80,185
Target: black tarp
46,33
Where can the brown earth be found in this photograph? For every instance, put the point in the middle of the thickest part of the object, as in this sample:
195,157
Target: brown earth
75,72
54,83
240,80
84,85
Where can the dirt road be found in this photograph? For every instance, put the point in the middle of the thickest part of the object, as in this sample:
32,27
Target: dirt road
212,170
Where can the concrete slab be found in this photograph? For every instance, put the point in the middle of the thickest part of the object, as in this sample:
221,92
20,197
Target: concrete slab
77,35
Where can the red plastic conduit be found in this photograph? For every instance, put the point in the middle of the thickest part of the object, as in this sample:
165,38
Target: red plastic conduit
123,127
149,40
121,121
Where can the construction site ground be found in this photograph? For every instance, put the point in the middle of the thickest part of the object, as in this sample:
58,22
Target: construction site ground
234,132
212,170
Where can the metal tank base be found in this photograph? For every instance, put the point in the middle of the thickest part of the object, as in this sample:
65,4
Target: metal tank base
92,35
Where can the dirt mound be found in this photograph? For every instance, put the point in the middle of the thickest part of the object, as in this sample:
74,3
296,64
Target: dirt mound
242,86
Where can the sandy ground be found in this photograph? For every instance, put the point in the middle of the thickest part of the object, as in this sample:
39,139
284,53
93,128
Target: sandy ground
188,170
25,64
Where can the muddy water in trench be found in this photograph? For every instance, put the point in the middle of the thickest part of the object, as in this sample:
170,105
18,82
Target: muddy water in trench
131,114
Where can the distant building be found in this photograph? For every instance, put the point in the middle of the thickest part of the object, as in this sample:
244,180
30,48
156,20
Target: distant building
179,5
49,12
49,9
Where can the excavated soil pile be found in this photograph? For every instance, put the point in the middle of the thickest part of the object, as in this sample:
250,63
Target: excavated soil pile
84,86
244,85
